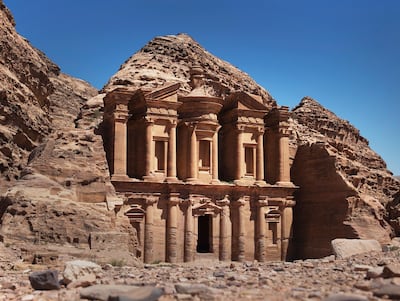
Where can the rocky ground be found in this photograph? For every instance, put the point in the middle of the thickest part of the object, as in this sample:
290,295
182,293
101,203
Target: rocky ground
368,276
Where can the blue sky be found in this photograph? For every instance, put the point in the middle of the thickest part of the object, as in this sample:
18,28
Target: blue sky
343,53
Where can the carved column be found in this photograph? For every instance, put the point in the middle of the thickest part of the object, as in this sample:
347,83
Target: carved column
284,164
260,158
149,148
223,228
215,157
241,228
149,230
286,226
172,225
120,142
188,249
239,154
260,229
193,160
171,162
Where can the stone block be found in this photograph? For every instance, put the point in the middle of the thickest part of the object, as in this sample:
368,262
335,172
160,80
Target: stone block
343,248
44,280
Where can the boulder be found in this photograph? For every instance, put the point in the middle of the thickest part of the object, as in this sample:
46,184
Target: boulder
44,280
81,270
343,248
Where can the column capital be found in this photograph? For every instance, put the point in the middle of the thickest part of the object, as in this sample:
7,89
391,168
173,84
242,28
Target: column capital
174,199
148,120
121,116
241,201
240,127
150,200
284,131
288,203
262,201
224,202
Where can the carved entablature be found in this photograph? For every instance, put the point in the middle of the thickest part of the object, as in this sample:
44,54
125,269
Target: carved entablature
135,213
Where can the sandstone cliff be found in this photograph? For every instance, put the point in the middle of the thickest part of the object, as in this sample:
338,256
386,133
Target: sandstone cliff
51,155
345,186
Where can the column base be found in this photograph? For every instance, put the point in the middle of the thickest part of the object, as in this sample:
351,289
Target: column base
260,183
119,177
150,179
285,184
192,180
172,180
215,181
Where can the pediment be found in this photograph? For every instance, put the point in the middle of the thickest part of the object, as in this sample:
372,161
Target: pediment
207,207
165,93
245,101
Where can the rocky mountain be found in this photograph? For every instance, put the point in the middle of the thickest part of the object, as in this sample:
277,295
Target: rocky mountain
168,59
57,194
51,154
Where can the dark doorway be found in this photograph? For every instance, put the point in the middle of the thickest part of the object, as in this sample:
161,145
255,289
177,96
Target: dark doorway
204,234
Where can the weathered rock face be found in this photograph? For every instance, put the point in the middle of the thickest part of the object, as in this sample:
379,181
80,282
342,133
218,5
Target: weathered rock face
344,185
51,154
168,59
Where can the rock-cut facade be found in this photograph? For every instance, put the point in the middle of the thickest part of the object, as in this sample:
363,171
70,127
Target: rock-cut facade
202,174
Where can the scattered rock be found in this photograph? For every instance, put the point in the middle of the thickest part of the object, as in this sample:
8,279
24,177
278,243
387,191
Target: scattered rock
81,270
121,293
391,270
45,280
343,248
345,297
392,291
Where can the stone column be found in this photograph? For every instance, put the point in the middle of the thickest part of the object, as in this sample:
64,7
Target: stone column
172,225
286,226
193,159
149,230
171,162
215,158
239,154
284,164
241,228
149,149
223,228
120,142
189,235
260,229
260,158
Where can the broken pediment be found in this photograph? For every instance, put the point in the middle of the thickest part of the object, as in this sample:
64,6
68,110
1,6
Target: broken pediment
207,207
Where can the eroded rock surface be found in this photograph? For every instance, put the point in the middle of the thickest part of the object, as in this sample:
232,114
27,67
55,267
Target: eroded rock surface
51,156
168,59
345,187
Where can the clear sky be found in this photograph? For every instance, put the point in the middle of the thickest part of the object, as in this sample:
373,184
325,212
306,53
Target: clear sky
343,53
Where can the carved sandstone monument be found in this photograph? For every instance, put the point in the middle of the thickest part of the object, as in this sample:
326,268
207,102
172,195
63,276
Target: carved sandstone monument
180,153
192,173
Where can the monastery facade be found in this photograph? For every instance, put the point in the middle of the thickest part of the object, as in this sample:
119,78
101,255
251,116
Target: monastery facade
201,173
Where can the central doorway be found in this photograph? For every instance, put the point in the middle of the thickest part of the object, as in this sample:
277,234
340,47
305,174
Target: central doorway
204,234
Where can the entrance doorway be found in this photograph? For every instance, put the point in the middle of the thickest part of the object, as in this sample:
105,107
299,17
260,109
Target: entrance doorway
204,239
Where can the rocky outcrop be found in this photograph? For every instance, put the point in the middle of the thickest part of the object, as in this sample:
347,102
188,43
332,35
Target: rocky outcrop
51,156
344,185
169,58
